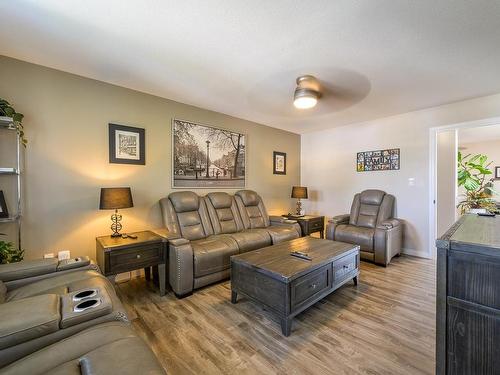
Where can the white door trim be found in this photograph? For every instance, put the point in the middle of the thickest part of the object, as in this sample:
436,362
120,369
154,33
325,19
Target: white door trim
433,132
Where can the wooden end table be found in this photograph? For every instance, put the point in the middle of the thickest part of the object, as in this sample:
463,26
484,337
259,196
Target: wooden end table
309,224
116,255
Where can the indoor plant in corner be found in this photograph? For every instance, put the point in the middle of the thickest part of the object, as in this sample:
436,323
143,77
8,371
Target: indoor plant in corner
7,110
473,175
8,253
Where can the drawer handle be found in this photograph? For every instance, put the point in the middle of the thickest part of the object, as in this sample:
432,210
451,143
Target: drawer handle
313,286
138,256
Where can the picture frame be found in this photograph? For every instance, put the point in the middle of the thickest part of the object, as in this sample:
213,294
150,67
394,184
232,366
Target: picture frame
497,173
226,150
279,162
378,160
127,144
4,212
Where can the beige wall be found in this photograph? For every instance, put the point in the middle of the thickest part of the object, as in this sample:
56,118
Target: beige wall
328,160
66,121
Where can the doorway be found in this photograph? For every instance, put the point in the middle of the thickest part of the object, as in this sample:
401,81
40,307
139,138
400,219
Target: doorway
444,192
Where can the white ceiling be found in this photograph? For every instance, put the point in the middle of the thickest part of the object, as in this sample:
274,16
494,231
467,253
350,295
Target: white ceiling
241,57
481,134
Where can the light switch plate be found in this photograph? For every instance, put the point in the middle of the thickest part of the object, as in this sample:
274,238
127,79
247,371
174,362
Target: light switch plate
48,256
64,254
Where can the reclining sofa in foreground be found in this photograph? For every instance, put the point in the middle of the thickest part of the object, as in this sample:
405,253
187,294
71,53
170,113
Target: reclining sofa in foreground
65,318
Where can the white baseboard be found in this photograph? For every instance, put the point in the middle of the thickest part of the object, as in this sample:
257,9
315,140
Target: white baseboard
416,253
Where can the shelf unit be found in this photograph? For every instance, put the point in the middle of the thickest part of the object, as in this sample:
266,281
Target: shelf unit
7,124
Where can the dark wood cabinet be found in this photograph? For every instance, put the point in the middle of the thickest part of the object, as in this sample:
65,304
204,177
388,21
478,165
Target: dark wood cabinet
468,297
310,224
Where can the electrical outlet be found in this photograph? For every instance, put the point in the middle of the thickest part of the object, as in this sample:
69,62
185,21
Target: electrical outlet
63,254
49,255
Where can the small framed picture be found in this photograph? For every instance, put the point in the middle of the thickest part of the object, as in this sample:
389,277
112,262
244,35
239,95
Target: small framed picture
4,213
497,172
126,145
279,162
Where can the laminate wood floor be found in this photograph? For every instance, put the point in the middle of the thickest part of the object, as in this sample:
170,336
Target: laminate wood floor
385,325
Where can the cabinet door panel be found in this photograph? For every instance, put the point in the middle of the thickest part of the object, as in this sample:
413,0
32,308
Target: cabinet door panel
473,338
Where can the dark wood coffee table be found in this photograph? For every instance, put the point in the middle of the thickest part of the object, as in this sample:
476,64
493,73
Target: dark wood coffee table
287,285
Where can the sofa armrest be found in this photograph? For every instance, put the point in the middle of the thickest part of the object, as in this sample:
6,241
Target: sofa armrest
178,242
281,220
27,268
181,266
166,234
340,219
28,318
388,224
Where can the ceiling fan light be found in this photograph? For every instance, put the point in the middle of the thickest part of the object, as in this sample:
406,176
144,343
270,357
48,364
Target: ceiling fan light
305,98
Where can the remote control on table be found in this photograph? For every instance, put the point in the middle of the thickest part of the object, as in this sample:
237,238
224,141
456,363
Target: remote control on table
489,214
300,255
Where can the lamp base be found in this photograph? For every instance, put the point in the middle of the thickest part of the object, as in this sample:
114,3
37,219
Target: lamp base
116,226
299,208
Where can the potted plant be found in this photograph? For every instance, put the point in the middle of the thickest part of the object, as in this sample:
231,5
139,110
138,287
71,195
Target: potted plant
8,253
7,110
473,175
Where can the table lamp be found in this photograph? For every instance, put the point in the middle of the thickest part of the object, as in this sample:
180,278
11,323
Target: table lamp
299,192
115,199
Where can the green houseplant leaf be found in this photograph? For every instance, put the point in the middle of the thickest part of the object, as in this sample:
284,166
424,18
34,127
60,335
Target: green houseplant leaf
472,174
7,110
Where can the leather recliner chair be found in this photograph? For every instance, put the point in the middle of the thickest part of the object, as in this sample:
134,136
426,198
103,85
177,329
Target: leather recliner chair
371,226
203,233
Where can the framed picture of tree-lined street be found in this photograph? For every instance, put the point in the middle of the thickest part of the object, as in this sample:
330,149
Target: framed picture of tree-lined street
206,156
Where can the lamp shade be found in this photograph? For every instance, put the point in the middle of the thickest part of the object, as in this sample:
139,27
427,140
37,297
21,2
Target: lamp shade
115,198
299,192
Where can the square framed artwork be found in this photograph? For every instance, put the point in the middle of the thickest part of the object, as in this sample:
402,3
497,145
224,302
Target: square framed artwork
4,212
127,145
279,162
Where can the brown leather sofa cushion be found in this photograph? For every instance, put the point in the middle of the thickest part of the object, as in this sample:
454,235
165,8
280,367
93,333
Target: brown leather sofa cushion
223,213
212,254
60,284
252,239
189,209
28,319
356,235
282,233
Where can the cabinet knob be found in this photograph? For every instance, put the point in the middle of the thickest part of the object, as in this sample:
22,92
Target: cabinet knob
313,286
138,256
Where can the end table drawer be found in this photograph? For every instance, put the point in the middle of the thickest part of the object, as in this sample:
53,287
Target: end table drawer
310,285
345,266
134,258
316,225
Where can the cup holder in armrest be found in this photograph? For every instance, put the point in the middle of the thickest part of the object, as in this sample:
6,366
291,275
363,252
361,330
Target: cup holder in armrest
84,294
87,304
84,305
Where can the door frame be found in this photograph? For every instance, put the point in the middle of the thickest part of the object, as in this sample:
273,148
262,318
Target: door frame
433,132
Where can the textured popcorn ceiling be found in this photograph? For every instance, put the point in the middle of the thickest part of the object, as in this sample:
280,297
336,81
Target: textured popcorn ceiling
374,58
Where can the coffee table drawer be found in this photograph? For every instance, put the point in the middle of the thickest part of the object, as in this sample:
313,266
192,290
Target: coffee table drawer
135,257
310,285
344,267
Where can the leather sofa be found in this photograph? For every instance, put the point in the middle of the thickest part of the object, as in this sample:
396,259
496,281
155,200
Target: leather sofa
204,232
43,303
109,348
371,226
